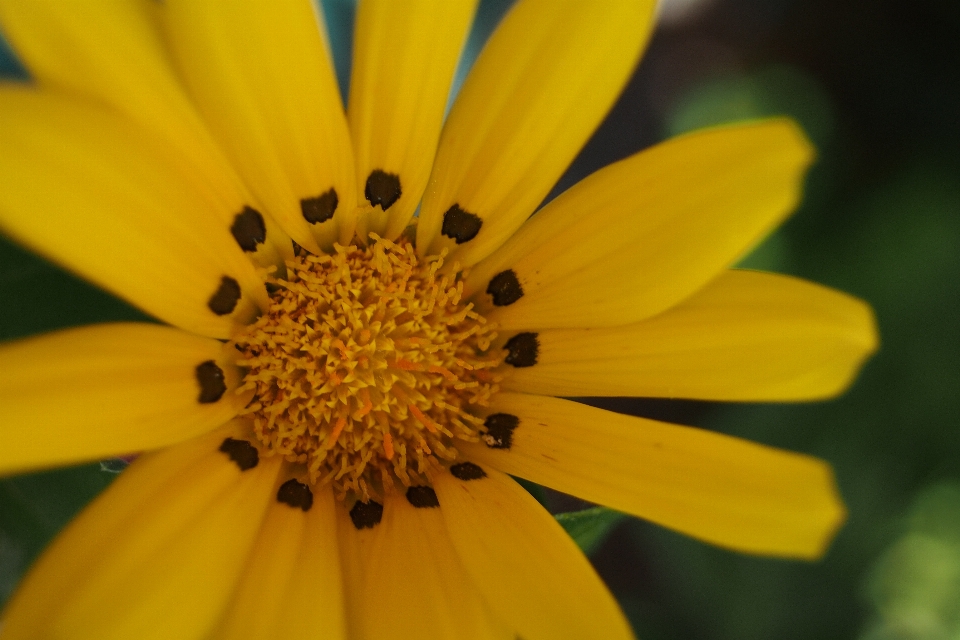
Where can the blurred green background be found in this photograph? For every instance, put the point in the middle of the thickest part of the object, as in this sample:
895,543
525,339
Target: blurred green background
876,84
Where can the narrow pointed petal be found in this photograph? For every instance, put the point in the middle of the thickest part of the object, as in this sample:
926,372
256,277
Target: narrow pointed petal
746,336
530,571
413,585
539,89
157,555
109,390
76,48
261,76
291,586
85,189
640,235
404,57
720,489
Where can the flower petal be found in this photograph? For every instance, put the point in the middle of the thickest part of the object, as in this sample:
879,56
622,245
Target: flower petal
746,336
530,571
640,235
85,189
410,583
540,87
291,586
157,555
404,57
75,48
261,75
108,390
720,489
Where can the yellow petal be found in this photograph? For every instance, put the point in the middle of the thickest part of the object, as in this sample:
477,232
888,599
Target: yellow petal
540,87
291,586
641,235
404,57
413,585
532,574
261,76
157,555
86,190
113,53
109,390
746,336
720,489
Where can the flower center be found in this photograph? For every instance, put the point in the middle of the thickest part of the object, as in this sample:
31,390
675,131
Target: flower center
366,366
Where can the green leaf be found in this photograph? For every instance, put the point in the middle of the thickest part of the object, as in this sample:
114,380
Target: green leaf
590,527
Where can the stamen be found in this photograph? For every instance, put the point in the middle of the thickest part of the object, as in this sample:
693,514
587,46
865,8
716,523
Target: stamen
367,368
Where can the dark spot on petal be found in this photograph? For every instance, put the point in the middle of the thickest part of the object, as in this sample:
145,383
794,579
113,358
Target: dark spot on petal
505,288
248,229
295,494
321,208
467,471
500,428
382,188
225,300
212,384
366,515
460,225
241,452
524,349
422,497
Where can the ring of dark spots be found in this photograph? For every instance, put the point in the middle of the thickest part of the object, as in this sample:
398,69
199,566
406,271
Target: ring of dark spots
467,471
504,288
321,208
500,427
212,383
243,453
422,497
227,296
460,225
366,515
248,229
296,494
524,350
382,188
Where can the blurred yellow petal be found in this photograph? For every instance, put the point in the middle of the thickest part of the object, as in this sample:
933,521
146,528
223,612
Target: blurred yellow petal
109,390
720,489
539,89
531,573
262,77
746,336
157,555
640,235
404,57
112,52
291,587
83,188
413,585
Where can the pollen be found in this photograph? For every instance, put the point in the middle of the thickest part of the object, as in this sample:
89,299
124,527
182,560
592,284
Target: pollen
367,368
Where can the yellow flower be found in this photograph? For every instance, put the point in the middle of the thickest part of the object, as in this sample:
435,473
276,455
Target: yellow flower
330,419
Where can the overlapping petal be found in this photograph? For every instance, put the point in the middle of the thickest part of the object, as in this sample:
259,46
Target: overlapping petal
84,188
723,490
157,555
404,57
540,87
746,336
640,235
262,77
290,587
110,390
408,582
527,567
